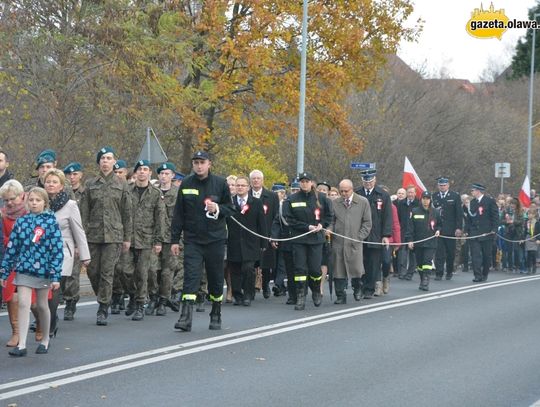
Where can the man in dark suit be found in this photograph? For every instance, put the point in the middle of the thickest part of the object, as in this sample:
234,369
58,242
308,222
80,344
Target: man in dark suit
482,219
270,204
406,257
243,248
449,205
381,231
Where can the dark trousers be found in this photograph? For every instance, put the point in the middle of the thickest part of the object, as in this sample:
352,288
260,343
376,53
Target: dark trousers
307,261
424,258
481,257
242,278
386,260
372,266
531,261
446,253
198,256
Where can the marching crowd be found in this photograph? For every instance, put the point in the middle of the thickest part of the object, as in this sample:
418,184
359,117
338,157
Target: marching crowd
173,241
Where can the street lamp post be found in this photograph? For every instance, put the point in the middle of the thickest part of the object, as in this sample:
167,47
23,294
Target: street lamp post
531,98
302,113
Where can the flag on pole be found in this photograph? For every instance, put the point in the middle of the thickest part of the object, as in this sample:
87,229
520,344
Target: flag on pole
525,193
410,177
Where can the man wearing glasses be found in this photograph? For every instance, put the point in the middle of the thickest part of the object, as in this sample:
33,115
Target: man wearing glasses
352,218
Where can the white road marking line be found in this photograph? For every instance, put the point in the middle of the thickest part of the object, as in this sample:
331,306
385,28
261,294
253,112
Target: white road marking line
249,336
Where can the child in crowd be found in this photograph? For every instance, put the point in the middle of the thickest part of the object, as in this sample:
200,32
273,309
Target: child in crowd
35,253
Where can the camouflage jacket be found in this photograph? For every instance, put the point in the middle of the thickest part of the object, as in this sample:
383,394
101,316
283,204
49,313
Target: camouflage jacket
148,217
169,198
106,210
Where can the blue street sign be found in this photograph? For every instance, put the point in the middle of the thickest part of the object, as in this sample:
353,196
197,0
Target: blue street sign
362,166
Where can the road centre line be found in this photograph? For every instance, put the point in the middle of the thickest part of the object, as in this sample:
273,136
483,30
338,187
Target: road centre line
239,337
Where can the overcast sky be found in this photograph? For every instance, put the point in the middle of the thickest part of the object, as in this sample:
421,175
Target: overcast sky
445,45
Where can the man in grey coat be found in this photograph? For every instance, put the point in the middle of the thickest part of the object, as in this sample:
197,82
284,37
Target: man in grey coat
352,218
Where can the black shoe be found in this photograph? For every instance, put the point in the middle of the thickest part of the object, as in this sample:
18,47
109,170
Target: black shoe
173,304
357,295
161,310
151,306
449,276
237,301
69,311
41,349
367,296
341,299
102,315
408,277
186,317
246,302
215,316
17,352
266,293
438,278
291,301
131,307
317,298
477,280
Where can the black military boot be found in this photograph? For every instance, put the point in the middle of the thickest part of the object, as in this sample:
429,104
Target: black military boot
200,302
130,309
339,284
291,290
215,316
151,306
174,302
357,289
122,302
115,304
316,295
300,297
161,310
422,279
68,311
186,317
102,315
139,312
426,280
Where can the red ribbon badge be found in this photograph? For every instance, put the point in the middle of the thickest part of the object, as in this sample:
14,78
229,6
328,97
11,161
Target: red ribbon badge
265,207
244,209
317,214
38,232
480,210
379,205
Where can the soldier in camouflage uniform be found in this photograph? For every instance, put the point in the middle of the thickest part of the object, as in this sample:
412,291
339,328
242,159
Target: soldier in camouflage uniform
119,289
70,285
161,272
107,219
148,224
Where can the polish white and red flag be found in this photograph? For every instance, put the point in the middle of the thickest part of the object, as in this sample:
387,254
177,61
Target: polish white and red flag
410,177
525,193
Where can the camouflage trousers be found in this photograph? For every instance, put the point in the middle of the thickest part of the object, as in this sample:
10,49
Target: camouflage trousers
135,272
70,285
101,269
161,273
119,283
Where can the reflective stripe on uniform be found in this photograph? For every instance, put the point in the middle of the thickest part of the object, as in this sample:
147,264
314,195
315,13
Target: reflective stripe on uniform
315,278
427,267
419,217
216,299
300,278
418,268
189,297
190,191
298,204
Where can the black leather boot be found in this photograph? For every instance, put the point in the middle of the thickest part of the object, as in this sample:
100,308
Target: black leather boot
422,279
339,284
68,311
115,304
102,314
151,306
316,295
161,310
215,316
300,297
130,309
186,317
200,302
139,312
357,288
426,280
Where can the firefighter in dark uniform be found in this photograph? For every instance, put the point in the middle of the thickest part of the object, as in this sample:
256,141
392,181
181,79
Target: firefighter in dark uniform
424,222
304,211
203,203
381,231
449,205
483,218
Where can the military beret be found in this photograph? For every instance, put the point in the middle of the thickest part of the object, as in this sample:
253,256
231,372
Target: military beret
200,155
73,167
104,150
46,156
141,163
368,175
479,187
119,164
166,166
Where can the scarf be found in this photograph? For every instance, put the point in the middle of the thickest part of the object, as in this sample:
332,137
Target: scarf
14,213
59,201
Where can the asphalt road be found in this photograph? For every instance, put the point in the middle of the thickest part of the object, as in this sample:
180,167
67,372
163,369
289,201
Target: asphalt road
461,344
